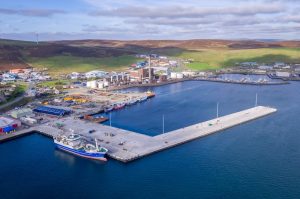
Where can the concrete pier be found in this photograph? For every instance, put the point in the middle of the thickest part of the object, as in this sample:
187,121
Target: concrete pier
126,145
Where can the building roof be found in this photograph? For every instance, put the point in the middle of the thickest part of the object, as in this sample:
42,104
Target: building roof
4,121
51,110
23,110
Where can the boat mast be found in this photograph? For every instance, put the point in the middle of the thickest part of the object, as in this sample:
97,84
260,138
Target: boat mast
218,110
256,99
163,121
96,142
109,118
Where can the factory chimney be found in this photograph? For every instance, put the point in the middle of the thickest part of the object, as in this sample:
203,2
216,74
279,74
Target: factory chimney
150,75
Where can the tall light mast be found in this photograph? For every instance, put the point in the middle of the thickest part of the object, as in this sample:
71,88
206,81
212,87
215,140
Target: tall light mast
37,38
256,99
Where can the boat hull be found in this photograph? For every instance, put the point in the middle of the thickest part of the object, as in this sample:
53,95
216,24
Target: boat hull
119,107
93,156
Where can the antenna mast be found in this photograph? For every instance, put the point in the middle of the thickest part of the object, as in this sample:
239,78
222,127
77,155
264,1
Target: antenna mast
37,39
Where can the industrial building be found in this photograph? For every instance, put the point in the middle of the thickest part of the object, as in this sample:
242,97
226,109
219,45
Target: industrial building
8,124
97,84
141,74
177,75
52,111
21,113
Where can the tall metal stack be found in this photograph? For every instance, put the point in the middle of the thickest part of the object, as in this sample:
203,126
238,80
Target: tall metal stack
150,75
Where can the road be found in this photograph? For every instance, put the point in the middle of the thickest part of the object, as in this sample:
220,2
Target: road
17,99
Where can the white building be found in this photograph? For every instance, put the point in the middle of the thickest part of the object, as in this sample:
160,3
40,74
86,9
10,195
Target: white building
95,74
29,120
176,75
97,84
74,75
188,73
91,84
283,74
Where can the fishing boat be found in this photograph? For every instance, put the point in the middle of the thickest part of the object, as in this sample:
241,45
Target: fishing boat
131,102
119,106
150,94
142,99
76,145
108,108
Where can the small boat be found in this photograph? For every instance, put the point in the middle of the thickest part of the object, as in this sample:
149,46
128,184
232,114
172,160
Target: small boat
150,94
100,119
131,102
142,99
119,106
76,145
108,108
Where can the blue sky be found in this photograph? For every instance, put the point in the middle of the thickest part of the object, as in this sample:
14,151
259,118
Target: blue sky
137,19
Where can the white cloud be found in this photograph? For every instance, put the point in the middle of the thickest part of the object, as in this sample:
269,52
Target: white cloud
161,19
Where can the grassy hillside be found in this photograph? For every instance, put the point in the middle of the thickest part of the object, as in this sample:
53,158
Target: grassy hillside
67,64
207,59
86,55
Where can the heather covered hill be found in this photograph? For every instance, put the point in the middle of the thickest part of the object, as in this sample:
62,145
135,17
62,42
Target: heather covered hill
84,55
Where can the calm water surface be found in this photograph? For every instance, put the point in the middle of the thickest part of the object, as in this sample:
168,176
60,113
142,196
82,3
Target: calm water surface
260,159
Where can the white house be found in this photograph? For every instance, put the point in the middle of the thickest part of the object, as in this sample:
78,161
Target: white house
95,74
8,77
74,75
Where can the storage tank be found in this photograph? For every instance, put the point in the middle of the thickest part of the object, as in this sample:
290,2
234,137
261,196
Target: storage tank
173,75
88,84
92,84
179,75
106,84
100,85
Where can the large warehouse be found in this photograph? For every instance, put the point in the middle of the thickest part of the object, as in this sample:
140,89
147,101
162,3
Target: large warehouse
8,124
52,111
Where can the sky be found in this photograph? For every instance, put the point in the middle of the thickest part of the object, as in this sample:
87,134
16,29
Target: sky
145,19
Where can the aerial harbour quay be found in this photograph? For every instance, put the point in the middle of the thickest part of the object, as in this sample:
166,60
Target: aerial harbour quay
125,146
75,110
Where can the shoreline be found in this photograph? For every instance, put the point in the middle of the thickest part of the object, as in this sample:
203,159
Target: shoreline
197,79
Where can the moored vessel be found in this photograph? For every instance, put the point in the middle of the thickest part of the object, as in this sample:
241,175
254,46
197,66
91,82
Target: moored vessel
119,106
150,94
75,144
108,108
131,102
142,99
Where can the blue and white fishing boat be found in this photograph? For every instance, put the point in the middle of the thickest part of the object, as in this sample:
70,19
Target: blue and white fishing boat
109,108
76,145
131,102
142,99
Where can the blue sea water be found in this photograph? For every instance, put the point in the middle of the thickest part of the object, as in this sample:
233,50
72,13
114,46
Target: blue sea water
260,159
